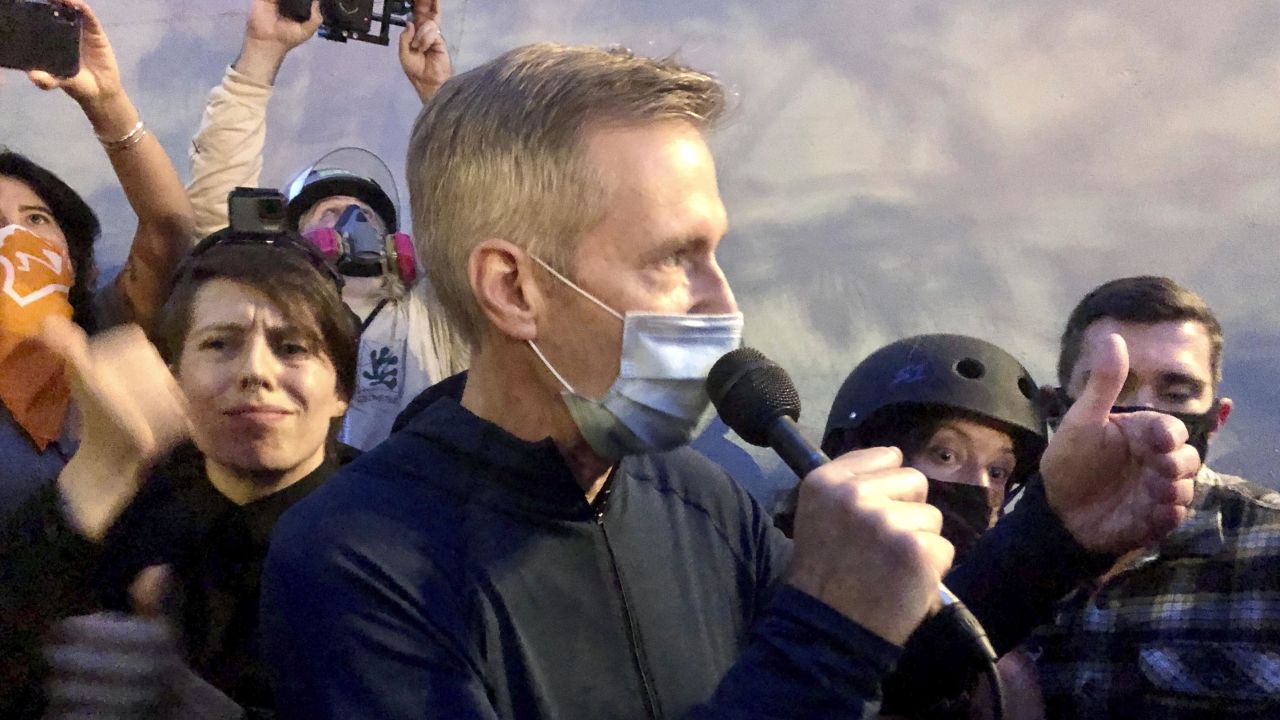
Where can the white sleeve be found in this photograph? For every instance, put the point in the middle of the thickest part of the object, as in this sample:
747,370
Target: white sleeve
226,151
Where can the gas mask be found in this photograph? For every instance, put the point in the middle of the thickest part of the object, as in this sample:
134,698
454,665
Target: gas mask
356,247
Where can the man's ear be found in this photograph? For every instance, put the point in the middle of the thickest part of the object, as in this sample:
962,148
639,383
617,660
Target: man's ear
502,281
1225,406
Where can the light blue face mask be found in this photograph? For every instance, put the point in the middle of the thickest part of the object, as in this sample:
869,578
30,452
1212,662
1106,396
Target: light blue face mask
659,400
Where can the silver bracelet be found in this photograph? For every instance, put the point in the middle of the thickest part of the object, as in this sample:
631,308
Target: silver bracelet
133,137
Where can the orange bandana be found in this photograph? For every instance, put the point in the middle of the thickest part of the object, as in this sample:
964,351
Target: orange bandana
35,281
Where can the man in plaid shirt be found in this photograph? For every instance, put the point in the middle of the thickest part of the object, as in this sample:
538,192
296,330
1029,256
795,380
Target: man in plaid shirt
1190,627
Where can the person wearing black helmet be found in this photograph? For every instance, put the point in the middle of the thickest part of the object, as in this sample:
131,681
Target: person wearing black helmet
962,411
346,204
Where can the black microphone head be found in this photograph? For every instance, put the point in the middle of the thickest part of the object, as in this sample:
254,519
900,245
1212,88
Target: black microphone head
750,391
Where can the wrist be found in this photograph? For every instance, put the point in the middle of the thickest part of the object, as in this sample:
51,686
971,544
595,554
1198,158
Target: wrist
424,89
112,115
260,60
95,486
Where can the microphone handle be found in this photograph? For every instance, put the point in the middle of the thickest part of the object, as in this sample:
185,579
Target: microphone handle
803,458
794,448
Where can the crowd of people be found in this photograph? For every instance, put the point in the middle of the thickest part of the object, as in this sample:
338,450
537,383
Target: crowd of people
329,470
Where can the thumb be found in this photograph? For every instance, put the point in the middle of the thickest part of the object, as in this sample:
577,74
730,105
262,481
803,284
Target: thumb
1106,379
406,39
148,590
42,79
317,17
428,34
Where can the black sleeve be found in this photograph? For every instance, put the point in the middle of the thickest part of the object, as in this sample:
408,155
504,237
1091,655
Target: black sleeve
46,571
1010,582
346,639
1020,568
803,660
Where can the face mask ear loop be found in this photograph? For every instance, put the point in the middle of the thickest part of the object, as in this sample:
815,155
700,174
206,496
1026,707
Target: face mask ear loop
543,358
581,292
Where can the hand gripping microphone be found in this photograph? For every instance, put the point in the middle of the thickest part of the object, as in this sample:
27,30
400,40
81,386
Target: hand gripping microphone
757,399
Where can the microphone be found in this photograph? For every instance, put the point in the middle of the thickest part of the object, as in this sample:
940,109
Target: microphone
757,399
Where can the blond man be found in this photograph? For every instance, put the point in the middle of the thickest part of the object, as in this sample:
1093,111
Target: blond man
539,541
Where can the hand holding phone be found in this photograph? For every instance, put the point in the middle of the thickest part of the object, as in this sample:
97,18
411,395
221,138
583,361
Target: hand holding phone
97,84
40,36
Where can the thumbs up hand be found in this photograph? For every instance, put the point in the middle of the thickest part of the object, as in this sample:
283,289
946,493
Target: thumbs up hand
1117,481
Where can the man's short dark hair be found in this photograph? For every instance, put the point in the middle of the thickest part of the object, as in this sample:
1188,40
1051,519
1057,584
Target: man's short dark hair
1145,299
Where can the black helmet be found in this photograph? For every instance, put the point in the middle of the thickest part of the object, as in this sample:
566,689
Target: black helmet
346,171
321,184
942,371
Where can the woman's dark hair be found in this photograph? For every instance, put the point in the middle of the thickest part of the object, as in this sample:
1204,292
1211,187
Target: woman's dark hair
74,218
288,279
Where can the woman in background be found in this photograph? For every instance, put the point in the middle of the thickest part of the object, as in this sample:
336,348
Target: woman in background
262,353
963,411
47,237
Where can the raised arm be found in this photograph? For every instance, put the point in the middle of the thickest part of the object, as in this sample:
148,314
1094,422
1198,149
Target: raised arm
423,54
145,172
50,549
226,151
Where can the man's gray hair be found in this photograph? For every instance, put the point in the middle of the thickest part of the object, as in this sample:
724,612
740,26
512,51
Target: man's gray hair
499,152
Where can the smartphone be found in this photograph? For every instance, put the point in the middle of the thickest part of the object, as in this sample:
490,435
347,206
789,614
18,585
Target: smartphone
39,35
257,210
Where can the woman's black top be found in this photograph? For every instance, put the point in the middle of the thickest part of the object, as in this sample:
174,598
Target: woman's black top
48,572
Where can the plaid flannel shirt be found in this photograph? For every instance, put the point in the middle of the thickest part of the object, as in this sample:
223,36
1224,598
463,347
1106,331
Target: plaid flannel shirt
1189,629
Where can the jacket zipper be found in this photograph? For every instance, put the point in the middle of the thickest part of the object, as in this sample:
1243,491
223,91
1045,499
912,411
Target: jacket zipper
633,639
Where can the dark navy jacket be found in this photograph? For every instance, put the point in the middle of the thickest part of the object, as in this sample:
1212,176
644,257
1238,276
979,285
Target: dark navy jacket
456,571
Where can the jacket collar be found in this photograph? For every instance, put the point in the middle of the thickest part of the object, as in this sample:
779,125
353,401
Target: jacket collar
532,475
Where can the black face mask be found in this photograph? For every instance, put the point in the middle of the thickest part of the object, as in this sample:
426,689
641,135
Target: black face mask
966,513
1199,425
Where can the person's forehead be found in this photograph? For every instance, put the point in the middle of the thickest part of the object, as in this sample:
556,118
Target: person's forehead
343,200
16,189
982,436
660,189
224,302
656,162
1174,346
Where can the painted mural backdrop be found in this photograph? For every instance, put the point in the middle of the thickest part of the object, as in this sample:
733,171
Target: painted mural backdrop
889,168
